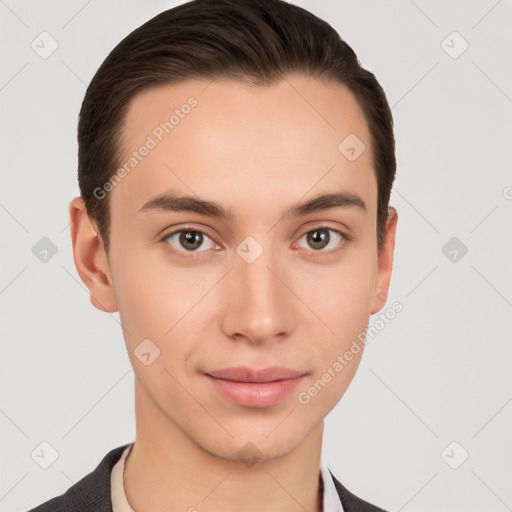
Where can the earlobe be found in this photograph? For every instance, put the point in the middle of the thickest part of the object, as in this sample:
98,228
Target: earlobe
385,263
90,258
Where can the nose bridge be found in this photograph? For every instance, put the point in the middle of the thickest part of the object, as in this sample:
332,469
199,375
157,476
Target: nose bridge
260,305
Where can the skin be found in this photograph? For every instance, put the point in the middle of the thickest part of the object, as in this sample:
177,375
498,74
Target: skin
257,151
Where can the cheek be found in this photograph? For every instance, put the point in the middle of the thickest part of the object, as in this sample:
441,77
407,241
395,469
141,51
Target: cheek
343,310
341,298
166,304
340,295
150,300
151,310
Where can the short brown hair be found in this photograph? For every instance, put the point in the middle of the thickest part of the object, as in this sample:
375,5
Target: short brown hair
256,41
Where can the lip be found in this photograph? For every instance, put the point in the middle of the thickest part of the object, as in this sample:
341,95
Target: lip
255,388
246,374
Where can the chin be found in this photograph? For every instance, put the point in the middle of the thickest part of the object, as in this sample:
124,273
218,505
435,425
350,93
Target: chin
250,447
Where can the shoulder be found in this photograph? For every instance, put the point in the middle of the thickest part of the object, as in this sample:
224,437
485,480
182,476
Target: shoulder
92,492
350,502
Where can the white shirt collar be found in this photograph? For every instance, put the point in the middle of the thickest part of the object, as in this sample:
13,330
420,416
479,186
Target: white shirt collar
332,501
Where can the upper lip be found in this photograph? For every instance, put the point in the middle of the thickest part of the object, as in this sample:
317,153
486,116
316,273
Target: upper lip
245,374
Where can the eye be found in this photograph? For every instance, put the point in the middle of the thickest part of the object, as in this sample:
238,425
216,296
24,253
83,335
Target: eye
187,240
321,237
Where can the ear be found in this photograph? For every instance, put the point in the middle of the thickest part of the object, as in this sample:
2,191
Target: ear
385,263
90,259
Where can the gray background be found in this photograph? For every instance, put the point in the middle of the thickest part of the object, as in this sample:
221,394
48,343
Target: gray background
439,372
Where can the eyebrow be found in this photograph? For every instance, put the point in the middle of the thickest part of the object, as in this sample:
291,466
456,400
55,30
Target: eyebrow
175,203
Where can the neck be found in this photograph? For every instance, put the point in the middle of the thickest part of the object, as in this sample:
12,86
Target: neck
168,469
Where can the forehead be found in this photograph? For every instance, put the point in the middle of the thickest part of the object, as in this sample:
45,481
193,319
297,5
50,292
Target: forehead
244,143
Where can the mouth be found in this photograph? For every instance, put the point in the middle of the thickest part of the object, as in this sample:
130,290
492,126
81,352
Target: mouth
255,388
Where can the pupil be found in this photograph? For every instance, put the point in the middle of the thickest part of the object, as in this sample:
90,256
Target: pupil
319,236
191,238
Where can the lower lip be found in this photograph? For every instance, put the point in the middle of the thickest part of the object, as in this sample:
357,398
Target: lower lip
255,394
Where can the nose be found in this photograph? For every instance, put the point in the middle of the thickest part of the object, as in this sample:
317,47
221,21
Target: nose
259,304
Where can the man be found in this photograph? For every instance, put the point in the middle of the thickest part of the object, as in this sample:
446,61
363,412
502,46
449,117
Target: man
235,168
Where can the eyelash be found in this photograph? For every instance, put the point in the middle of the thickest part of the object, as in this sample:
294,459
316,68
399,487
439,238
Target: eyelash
191,254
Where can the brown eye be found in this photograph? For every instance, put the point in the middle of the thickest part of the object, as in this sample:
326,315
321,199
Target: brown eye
320,238
189,240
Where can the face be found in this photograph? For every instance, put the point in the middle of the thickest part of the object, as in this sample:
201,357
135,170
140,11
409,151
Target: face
263,275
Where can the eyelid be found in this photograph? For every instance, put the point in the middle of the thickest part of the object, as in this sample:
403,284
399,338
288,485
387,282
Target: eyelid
325,225
186,227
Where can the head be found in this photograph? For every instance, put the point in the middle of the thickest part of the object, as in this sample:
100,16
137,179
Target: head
253,110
